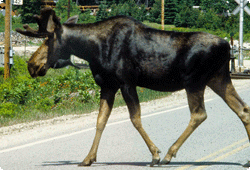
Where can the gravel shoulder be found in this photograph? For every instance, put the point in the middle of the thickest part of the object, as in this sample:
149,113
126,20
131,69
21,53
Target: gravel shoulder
27,132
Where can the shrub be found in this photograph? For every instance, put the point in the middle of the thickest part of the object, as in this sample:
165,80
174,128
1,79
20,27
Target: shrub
102,12
187,18
1,71
7,109
45,104
86,17
209,20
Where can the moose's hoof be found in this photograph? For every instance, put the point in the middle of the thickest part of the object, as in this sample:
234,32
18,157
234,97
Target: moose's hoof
164,162
87,162
154,162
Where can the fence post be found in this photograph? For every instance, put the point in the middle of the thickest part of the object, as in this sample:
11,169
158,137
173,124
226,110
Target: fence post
7,40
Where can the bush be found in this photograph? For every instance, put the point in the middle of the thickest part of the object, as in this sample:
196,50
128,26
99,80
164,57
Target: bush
45,104
1,71
86,17
209,20
45,93
187,18
7,110
102,12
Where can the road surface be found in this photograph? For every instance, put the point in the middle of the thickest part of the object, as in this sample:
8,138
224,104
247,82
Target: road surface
220,143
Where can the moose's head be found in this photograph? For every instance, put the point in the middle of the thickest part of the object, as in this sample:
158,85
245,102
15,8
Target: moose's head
46,56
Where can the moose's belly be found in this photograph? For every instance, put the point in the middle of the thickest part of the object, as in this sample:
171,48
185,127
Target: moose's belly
169,82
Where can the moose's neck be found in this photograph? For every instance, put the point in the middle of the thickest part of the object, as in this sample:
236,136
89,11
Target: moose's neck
81,41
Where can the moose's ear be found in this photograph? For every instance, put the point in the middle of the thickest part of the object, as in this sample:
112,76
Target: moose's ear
53,22
51,25
72,20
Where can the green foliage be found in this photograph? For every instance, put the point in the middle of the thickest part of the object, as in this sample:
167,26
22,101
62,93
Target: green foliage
29,9
187,17
170,11
209,20
19,68
45,104
218,7
155,12
102,13
7,110
129,8
181,4
62,9
16,22
1,71
2,19
45,93
97,2
85,17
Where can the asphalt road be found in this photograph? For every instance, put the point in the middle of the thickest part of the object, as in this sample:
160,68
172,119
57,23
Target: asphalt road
220,143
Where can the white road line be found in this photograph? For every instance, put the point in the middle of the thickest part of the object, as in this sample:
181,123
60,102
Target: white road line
89,129
223,151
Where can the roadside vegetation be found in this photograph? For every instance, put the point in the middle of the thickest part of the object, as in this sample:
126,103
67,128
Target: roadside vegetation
60,92
72,91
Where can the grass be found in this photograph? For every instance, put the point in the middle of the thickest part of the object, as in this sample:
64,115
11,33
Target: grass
71,106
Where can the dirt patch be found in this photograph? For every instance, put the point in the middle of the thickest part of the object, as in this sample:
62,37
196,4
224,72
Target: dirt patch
27,51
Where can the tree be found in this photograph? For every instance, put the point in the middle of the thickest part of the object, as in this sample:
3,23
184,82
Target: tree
130,8
155,12
28,9
170,7
181,4
62,9
197,2
187,17
209,20
102,13
170,11
219,6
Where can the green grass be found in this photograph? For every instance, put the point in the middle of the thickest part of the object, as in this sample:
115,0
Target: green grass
73,106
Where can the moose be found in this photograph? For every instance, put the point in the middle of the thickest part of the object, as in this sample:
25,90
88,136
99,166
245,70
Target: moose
123,53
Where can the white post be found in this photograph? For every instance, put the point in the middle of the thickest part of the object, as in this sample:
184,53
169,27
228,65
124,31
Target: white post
240,59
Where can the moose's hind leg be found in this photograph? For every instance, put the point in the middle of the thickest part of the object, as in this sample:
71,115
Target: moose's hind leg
198,115
130,96
225,89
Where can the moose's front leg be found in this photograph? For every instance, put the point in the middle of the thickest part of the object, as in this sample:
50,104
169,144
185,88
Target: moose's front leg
131,98
106,104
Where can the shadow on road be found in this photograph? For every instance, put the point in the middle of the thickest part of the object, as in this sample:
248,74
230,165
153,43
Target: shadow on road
172,164
59,163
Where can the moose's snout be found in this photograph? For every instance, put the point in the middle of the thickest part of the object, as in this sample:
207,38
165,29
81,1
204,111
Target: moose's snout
36,71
